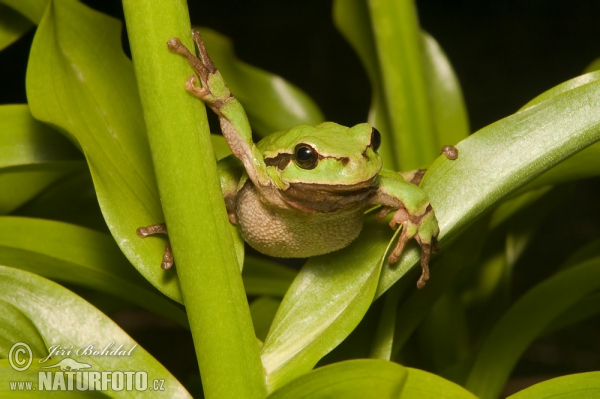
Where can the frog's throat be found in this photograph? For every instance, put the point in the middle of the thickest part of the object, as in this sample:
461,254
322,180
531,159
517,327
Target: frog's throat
322,198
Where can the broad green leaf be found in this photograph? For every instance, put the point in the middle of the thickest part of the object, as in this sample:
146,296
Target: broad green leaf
575,386
271,103
32,9
582,165
25,141
12,26
402,67
423,385
525,321
448,109
199,230
92,97
16,327
77,255
263,312
264,277
71,200
360,379
324,304
32,157
501,158
18,187
64,319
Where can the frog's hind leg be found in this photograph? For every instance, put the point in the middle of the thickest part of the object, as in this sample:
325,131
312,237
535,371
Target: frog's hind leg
161,228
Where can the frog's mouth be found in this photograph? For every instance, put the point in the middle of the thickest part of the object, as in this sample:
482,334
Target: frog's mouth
322,198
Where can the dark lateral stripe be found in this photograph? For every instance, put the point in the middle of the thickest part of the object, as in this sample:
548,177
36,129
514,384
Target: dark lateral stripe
280,161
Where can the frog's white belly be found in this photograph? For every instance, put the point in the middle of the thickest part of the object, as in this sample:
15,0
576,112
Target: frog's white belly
292,233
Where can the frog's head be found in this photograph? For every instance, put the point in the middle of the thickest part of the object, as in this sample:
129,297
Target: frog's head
327,158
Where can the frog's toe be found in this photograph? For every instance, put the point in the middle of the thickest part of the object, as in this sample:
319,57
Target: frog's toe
167,260
161,228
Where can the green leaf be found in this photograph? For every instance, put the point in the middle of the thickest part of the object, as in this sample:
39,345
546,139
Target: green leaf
423,385
264,277
64,319
93,97
21,186
16,327
439,106
351,379
448,110
501,158
402,68
71,200
324,304
12,26
525,321
582,165
351,17
575,386
25,141
76,255
32,157
271,103
32,9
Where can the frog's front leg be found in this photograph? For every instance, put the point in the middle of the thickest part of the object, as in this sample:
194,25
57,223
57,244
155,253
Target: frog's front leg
413,211
215,93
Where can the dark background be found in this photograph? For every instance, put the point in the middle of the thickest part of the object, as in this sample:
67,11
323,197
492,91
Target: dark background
504,53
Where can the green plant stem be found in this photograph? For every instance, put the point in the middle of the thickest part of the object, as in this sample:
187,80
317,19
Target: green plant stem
194,209
399,50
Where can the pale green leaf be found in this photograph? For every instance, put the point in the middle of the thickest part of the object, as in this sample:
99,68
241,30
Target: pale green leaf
77,255
81,50
360,379
64,319
575,386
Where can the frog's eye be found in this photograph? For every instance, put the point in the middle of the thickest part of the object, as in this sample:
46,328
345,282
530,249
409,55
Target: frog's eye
375,139
305,156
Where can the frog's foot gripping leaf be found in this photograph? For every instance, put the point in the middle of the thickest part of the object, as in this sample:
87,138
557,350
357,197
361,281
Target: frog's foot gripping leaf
422,228
161,228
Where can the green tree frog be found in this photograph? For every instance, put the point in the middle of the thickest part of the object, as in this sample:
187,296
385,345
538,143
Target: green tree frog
303,192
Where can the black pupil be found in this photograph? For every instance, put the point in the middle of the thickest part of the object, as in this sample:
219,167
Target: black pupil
304,154
375,139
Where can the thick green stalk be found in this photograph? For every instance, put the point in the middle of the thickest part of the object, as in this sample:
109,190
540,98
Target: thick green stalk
186,172
399,49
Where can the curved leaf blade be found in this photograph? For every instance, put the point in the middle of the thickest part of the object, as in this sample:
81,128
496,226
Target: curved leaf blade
77,255
12,26
584,385
45,304
525,321
501,158
324,304
365,378
423,385
80,48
